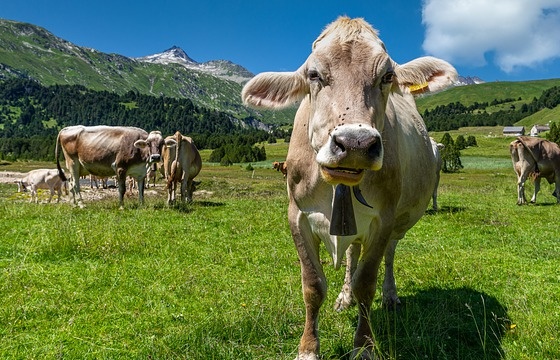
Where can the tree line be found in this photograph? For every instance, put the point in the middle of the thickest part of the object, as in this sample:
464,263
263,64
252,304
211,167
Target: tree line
31,116
456,115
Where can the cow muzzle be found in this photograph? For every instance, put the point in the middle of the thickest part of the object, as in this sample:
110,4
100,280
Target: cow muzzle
349,151
155,158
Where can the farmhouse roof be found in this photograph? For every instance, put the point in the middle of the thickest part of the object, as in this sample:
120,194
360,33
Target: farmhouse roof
514,130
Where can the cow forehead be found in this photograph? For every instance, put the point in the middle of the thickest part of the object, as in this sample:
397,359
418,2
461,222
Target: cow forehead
349,51
154,136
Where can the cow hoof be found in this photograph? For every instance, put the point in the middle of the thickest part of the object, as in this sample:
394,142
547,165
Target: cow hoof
343,301
364,353
391,302
307,356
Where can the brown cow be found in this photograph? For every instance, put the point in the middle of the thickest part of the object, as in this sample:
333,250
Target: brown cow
181,162
536,158
280,166
106,151
361,166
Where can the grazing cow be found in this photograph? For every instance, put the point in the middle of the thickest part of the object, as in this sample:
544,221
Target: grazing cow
181,162
42,179
281,166
436,148
108,151
361,166
536,158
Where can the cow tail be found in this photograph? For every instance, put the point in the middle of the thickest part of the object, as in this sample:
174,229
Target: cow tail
175,162
60,172
535,174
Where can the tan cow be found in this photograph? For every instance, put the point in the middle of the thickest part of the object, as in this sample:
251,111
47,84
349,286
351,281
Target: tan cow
42,179
181,163
361,166
535,158
280,166
106,151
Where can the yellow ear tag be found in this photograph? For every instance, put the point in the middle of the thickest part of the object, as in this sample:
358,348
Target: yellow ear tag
418,88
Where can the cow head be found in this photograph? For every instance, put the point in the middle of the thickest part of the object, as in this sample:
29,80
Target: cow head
345,85
153,145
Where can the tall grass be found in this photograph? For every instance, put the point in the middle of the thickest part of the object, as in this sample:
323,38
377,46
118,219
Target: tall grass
219,279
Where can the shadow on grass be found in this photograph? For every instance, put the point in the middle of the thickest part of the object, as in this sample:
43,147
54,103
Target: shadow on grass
445,210
440,324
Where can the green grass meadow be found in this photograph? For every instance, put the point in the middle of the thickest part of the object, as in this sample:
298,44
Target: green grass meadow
220,279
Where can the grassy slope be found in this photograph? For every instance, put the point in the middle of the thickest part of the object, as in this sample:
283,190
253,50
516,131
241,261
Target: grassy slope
220,280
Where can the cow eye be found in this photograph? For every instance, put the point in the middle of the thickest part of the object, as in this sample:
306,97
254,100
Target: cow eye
388,77
314,75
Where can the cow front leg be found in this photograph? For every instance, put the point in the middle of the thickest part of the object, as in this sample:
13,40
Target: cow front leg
121,179
314,285
189,189
141,186
314,293
345,298
390,297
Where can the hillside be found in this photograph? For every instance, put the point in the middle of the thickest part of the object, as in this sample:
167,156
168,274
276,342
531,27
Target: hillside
468,95
502,100
30,51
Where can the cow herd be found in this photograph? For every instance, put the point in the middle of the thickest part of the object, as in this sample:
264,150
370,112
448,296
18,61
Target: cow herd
360,169
120,152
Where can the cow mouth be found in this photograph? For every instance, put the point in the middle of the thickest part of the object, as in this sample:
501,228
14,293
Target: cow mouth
342,175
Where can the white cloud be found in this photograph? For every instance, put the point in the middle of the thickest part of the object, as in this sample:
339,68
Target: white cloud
518,33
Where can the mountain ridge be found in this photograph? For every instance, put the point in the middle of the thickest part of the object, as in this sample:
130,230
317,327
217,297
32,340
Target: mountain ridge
30,51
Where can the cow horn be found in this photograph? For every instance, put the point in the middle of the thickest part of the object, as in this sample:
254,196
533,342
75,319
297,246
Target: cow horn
360,197
343,221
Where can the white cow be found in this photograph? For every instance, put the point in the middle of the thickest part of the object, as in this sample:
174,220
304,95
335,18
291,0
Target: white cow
361,166
42,179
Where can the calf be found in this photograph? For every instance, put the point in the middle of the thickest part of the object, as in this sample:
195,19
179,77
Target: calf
42,179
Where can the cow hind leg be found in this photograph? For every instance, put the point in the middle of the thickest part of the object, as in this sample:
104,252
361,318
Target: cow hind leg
363,288
521,191
345,299
51,195
537,184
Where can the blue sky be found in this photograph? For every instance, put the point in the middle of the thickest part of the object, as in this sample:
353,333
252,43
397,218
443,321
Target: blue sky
498,40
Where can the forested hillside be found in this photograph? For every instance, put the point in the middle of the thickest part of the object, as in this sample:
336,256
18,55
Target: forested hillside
455,115
31,116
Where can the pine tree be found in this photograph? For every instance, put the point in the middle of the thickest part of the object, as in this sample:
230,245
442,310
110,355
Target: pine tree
450,155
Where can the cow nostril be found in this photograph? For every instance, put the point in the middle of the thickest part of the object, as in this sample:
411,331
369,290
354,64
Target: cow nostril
373,149
338,145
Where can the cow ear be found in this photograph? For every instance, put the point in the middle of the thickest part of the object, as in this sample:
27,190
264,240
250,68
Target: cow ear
140,144
170,143
275,90
425,74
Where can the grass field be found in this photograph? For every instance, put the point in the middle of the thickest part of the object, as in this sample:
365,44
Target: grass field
219,279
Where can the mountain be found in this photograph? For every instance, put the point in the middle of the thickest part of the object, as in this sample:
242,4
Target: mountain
33,52
468,80
221,68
